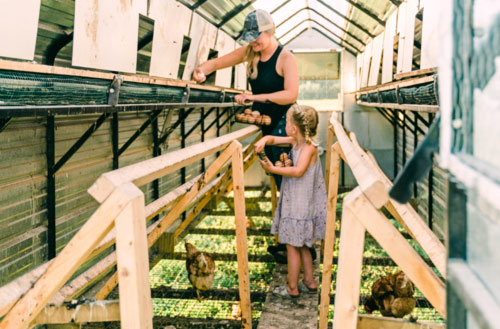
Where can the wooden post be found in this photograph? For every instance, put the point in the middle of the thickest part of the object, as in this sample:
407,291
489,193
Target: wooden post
330,136
352,240
66,263
274,192
334,162
136,308
241,237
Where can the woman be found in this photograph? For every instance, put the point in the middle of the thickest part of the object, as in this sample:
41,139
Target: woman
272,73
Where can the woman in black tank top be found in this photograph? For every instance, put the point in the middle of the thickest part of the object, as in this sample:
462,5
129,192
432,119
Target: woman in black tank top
272,73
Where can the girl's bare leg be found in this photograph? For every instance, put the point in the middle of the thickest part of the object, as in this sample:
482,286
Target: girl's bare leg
307,264
293,256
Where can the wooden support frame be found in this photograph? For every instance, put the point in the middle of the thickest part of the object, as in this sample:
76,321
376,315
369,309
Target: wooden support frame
361,212
125,208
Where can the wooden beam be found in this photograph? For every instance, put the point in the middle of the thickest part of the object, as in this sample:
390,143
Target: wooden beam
47,69
409,218
168,219
416,73
406,107
274,193
380,322
241,236
367,180
149,170
399,250
330,136
132,260
102,311
400,84
66,263
352,239
333,172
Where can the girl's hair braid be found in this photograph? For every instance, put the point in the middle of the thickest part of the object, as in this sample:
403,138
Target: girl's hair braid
306,119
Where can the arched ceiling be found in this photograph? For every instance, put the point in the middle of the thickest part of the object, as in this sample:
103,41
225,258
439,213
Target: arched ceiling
349,23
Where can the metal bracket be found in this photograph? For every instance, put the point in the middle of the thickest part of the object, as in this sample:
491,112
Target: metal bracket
379,96
114,90
222,96
186,94
398,99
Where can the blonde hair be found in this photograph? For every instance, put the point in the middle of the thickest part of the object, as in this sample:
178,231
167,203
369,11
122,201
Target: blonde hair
253,58
305,117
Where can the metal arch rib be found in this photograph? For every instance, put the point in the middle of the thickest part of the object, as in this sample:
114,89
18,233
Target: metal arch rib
324,17
325,28
366,11
323,34
364,29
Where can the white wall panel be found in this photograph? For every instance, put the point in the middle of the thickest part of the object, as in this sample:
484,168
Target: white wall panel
388,56
407,36
224,45
365,72
376,60
171,25
105,35
202,36
431,41
240,76
18,28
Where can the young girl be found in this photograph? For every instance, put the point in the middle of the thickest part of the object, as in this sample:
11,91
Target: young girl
300,217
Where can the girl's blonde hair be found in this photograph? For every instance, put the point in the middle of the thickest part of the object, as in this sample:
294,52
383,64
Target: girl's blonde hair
305,117
253,58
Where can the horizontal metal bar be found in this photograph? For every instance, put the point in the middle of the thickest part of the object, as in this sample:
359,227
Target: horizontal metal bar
44,110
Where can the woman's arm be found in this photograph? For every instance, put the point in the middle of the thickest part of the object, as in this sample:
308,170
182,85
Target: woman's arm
305,158
233,58
272,140
291,91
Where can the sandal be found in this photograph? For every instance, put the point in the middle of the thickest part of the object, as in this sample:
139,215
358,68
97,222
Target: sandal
306,289
282,292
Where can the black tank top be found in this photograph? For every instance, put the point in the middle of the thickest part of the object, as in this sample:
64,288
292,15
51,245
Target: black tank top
269,81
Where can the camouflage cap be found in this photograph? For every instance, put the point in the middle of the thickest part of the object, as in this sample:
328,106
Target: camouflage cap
256,22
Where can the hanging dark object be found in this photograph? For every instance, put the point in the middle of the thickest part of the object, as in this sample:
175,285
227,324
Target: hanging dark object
418,166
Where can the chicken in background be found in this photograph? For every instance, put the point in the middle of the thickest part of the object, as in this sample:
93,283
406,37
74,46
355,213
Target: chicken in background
392,295
200,267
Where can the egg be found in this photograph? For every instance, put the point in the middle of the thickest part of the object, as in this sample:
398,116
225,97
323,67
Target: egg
278,164
239,116
288,163
283,157
258,120
266,120
243,118
248,111
250,119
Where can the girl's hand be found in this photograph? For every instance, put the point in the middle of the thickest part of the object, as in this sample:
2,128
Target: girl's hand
266,165
198,75
243,98
259,145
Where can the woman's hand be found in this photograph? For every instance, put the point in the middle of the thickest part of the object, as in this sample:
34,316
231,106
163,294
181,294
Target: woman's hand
267,165
243,98
259,145
198,75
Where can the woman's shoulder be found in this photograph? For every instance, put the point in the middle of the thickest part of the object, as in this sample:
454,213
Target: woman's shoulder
286,54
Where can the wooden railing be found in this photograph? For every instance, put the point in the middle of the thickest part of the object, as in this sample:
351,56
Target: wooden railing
121,219
361,212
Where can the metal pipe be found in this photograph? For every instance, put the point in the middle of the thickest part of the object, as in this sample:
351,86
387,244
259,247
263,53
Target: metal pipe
114,140
51,188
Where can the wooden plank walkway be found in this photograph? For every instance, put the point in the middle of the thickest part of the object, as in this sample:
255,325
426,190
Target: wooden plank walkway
280,313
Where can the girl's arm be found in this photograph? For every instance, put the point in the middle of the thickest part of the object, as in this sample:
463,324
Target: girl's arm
291,91
272,140
305,159
233,58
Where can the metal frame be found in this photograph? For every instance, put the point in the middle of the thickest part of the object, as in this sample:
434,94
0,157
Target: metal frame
361,28
56,46
366,11
235,11
322,26
325,18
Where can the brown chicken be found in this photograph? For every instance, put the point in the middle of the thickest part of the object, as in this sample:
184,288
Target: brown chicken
392,295
200,267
